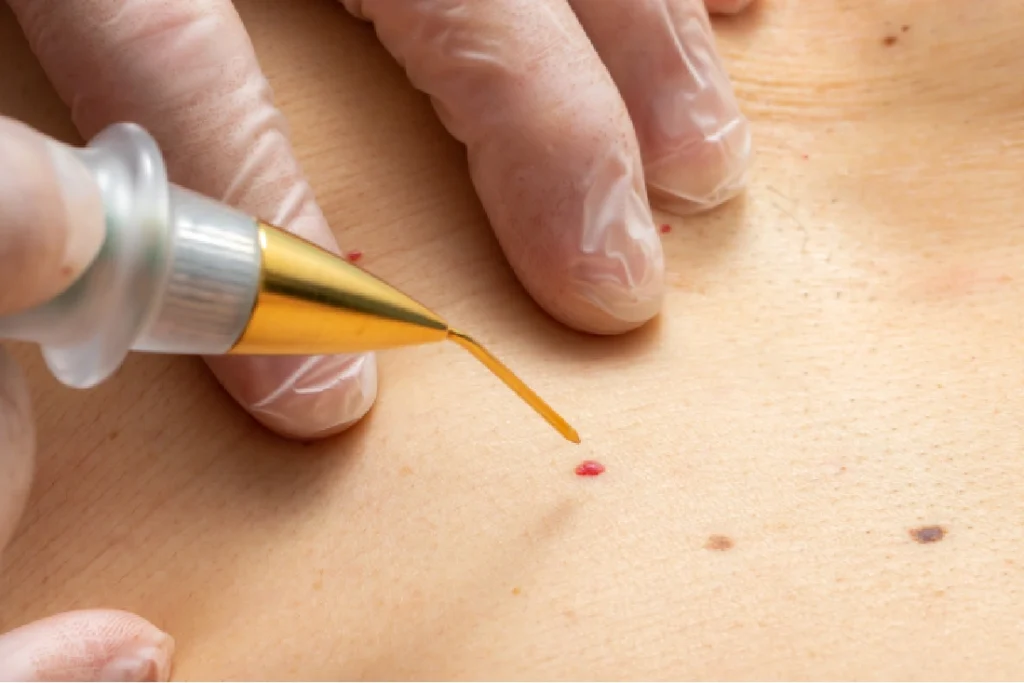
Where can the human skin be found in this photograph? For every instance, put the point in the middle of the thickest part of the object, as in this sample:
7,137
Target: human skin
837,364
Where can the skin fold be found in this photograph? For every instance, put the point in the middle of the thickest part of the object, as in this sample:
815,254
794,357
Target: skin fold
565,125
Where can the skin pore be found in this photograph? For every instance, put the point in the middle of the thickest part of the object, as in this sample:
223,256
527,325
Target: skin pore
813,455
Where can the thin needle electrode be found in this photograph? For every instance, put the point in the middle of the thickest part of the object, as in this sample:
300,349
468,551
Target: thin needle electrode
515,384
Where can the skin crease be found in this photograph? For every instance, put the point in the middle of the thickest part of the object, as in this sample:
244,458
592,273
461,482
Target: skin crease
838,363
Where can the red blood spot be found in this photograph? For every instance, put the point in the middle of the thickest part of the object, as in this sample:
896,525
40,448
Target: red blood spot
665,228
589,468
354,255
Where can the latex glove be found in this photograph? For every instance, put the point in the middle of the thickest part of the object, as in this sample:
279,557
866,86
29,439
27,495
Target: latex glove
39,257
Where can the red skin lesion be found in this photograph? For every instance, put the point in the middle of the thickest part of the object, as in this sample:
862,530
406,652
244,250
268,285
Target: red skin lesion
589,468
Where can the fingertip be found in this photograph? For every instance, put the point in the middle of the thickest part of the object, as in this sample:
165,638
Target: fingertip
301,398
709,170
89,645
612,279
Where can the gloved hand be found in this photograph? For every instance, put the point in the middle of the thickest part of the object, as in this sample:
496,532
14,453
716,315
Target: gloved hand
571,110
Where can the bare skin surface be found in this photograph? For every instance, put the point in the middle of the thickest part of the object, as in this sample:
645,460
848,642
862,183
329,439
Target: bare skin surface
813,457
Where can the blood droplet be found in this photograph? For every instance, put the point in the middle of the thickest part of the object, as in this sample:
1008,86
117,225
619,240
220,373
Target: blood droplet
665,228
354,255
589,468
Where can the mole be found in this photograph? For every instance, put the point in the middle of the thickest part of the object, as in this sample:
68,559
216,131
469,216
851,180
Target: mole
928,534
719,542
589,468
889,41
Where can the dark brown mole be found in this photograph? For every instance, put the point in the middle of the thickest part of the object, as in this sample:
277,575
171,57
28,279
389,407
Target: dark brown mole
889,41
719,542
928,534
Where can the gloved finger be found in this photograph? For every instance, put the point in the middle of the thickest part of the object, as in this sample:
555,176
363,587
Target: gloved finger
727,6
187,72
661,53
551,149
88,645
51,217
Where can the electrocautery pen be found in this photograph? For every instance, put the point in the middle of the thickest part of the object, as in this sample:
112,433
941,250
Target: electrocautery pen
181,273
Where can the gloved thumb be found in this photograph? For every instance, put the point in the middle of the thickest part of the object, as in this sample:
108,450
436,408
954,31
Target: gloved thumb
51,217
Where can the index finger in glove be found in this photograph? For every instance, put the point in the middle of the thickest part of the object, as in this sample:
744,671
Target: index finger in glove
187,72
552,152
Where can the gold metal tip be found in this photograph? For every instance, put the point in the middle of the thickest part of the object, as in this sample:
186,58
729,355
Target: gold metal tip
515,384
313,302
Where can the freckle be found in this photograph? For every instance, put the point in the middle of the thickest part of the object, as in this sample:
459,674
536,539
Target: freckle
719,542
318,584
517,591
928,534
665,228
805,156
905,28
405,471
889,41
113,435
354,255
589,468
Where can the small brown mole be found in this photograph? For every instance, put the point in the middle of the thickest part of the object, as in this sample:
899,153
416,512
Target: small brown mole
517,591
905,28
719,542
928,534
889,41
